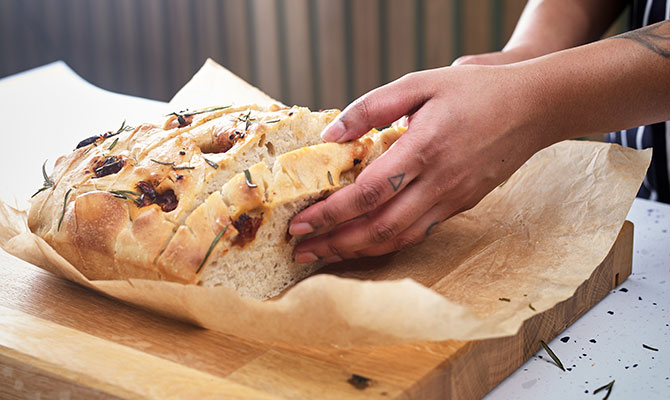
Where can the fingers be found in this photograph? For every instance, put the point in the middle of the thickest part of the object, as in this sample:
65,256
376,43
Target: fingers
377,108
412,235
384,178
375,228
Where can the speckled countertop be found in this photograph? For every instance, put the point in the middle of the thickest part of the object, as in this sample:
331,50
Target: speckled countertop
606,343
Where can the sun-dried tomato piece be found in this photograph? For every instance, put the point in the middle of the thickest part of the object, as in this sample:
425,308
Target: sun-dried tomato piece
166,200
246,227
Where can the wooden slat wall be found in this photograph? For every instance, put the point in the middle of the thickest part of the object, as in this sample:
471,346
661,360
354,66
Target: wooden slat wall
318,53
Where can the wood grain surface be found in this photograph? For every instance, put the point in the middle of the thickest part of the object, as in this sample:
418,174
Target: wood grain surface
59,340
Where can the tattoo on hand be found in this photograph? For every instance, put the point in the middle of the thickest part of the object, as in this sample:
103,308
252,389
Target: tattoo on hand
431,226
654,37
396,181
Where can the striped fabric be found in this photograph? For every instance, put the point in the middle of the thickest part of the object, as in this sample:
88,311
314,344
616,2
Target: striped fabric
656,185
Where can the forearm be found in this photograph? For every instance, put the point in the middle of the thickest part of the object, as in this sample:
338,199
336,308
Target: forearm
605,86
547,26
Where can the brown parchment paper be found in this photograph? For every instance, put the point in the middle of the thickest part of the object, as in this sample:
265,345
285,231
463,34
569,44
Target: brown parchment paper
533,240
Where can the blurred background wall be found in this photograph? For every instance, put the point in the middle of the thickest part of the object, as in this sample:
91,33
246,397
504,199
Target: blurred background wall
318,53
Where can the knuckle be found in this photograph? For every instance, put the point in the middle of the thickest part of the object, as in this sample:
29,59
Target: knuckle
358,111
334,250
469,59
369,195
410,76
403,242
425,158
328,216
382,232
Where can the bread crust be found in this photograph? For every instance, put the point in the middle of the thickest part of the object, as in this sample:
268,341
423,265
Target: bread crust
169,202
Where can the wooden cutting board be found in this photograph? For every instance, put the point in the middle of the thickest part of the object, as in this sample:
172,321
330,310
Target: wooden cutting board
59,340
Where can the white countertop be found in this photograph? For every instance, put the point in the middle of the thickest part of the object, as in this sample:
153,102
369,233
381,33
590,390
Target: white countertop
605,344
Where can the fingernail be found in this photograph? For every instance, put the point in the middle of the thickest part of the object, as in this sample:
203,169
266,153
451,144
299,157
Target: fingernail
305,257
301,228
333,132
332,259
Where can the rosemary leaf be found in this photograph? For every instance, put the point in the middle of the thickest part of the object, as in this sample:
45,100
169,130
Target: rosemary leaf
47,181
250,183
649,347
123,125
127,195
60,221
211,163
111,146
182,167
125,192
185,113
273,121
530,305
608,387
504,299
122,128
247,120
40,190
163,162
552,355
330,179
211,246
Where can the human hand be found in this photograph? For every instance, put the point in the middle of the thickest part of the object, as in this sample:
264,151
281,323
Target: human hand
470,128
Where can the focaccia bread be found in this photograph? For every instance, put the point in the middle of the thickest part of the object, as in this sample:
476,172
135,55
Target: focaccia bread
204,199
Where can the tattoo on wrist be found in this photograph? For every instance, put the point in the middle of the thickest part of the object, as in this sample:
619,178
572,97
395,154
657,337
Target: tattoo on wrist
654,37
396,181
431,226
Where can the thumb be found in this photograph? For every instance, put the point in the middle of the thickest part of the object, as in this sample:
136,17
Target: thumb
379,107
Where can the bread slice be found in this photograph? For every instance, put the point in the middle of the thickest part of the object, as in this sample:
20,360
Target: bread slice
203,199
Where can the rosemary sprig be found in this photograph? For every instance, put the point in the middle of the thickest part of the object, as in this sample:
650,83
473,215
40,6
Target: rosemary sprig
608,387
330,179
127,195
185,113
504,299
111,146
530,305
170,163
60,221
40,190
552,355
211,163
273,121
93,139
211,247
47,181
182,167
247,176
649,347
124,192
123,128
247,120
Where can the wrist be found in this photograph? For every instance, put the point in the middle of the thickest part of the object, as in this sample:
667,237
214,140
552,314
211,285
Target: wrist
532,113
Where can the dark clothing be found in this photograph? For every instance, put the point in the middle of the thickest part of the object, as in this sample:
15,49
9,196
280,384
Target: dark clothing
656,185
